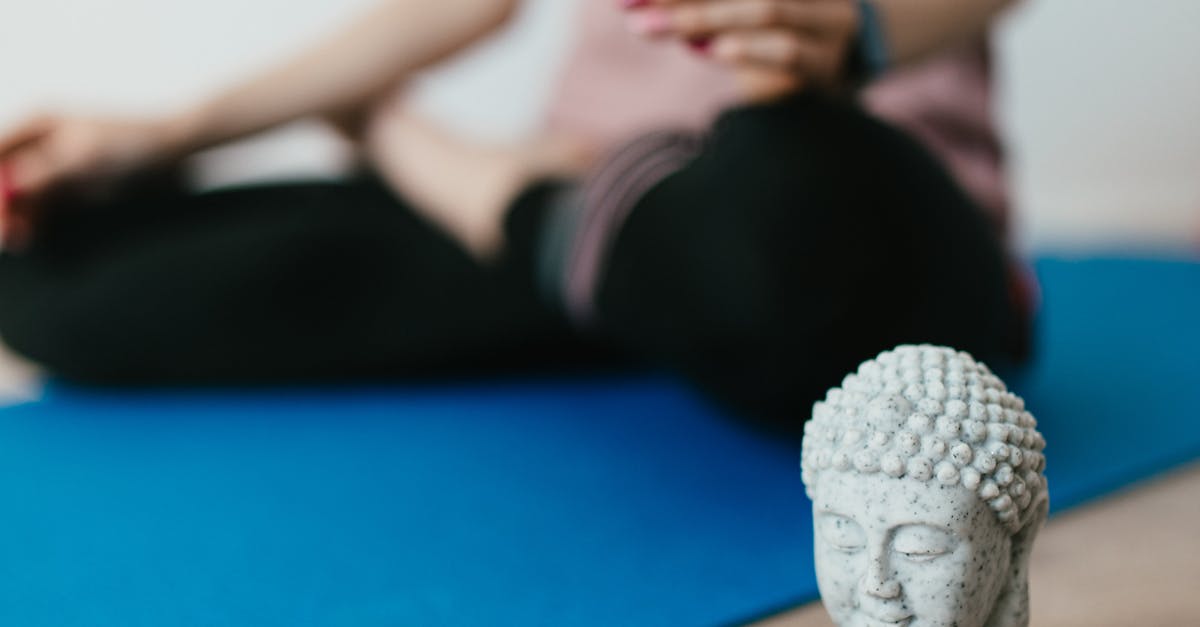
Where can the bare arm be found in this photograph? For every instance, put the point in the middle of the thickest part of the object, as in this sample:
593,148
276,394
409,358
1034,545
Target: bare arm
340,74
88,156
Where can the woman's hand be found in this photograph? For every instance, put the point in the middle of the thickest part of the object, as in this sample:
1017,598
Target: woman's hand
794,43
51,155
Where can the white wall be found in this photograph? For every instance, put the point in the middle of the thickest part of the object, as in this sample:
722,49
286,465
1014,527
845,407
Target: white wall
1102,97
1103,110
147,56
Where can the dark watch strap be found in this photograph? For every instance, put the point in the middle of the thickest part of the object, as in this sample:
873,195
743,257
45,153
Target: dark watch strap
871,56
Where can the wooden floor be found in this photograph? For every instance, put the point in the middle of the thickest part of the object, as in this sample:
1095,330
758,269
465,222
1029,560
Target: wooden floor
1132,560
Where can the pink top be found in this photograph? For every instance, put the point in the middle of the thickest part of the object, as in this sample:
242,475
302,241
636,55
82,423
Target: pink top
617,85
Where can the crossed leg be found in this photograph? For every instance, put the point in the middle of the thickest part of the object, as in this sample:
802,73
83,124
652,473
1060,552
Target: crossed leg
275,283
802,238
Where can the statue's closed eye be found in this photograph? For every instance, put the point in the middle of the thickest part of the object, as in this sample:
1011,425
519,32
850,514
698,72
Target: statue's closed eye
841,533
922,543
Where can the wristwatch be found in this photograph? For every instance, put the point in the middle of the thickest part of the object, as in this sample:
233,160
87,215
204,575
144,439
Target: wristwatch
869,54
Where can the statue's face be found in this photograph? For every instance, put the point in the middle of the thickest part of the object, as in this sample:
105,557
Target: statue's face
905,553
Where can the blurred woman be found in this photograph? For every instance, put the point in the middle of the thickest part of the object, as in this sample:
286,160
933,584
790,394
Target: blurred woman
757,193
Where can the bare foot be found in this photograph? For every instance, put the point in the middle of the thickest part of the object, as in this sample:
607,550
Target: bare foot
463,187
19,379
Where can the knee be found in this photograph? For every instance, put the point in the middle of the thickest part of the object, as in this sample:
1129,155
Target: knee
799,125
814,144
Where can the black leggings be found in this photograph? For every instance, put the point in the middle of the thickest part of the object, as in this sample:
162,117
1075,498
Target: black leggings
268,284
803,239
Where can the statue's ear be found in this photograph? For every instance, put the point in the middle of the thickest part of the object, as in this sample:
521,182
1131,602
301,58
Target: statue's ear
1023,540
1012,608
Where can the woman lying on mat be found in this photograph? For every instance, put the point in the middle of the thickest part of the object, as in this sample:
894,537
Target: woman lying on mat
713,192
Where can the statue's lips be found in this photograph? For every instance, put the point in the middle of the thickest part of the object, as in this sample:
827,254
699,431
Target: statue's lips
870,621
877,613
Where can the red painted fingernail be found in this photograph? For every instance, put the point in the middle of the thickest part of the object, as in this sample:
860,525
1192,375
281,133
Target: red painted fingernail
700,45
8,187
634,4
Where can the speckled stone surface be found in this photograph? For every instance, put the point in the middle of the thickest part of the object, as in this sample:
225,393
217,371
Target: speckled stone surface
926,476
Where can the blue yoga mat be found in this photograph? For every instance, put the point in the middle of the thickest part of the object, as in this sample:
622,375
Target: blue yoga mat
621,501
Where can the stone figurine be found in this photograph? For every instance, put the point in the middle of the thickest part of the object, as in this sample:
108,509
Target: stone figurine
926,476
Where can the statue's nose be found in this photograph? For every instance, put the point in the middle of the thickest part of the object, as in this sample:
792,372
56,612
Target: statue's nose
882,588
878,580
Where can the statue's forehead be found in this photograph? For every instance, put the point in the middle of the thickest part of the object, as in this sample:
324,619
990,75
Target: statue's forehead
878,499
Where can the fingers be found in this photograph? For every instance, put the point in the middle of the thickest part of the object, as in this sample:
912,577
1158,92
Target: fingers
8,189
817,18
31,173
25,133
15,224
27,180
23,170
6,195
776,50
798,42
26,174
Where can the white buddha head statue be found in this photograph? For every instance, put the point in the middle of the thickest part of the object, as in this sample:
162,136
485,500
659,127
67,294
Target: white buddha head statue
926,480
